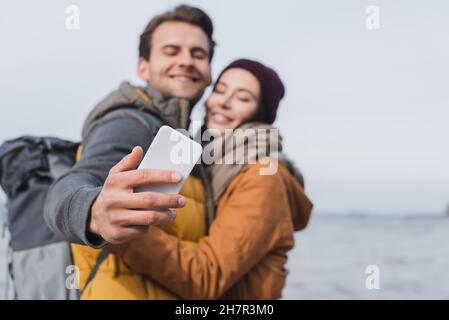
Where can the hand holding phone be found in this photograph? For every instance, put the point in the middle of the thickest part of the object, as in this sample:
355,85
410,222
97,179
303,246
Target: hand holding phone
118,214
170,150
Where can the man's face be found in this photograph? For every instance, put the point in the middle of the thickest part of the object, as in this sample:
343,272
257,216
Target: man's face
179,61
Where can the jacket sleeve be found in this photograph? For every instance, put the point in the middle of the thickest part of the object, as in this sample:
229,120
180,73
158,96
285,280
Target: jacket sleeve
68,203
250,225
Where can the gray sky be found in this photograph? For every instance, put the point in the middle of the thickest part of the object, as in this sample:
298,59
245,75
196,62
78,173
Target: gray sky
366,111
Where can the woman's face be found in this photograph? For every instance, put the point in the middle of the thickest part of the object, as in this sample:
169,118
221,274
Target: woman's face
235,99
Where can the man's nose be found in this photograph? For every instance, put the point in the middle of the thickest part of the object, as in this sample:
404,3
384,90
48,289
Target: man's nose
185,59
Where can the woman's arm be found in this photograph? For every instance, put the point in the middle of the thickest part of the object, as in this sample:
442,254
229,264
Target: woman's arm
253,219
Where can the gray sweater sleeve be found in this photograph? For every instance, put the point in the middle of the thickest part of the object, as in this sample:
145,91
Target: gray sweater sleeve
69,200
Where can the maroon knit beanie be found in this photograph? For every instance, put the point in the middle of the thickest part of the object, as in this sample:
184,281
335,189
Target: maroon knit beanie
271,86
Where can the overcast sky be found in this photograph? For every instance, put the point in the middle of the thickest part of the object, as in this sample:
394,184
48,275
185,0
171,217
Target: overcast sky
366,111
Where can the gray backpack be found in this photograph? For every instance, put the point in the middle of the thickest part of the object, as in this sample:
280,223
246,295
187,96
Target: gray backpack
34,262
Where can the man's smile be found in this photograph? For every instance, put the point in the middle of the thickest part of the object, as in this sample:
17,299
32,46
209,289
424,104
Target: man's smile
184,77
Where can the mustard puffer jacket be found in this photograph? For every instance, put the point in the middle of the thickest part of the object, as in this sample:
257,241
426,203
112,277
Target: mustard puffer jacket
114,279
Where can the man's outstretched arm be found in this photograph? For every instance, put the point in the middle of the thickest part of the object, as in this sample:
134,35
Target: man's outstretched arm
94,202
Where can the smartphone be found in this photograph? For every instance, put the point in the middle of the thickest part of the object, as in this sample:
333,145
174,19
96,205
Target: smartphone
170,150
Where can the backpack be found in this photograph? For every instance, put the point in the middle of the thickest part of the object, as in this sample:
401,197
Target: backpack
34,262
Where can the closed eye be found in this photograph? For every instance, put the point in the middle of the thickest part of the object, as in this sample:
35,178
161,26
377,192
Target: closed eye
170,50
199,53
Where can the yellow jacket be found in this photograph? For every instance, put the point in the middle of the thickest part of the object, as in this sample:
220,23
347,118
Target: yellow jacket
115,280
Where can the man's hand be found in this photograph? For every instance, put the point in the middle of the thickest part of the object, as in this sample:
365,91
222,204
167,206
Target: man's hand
114,216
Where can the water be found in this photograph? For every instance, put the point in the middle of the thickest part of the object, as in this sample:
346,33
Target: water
331,256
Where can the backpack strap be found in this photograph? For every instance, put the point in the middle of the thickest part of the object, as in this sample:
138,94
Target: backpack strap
100,259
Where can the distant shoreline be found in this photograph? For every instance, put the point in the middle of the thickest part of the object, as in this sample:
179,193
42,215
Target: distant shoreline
433,215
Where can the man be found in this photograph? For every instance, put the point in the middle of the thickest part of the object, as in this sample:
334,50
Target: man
94,203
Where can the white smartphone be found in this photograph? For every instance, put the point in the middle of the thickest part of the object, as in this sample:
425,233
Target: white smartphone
170,150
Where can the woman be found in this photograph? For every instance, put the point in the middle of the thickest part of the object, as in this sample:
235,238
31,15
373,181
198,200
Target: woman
243,255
